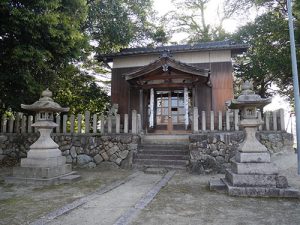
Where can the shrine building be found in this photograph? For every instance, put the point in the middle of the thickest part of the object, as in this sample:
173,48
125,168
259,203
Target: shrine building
164,83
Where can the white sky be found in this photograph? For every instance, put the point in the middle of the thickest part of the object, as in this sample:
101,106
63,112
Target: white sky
230,25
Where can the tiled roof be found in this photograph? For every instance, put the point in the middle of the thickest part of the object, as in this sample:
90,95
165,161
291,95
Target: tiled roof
217,45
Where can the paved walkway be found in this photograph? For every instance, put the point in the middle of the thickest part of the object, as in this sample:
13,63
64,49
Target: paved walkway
117,206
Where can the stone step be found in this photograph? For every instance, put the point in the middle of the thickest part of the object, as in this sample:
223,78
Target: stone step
163,152
217,185
162,157
144,167
164,147
165,139
160,163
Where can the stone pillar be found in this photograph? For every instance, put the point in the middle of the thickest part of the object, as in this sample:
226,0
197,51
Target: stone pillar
227,121
102,121
125,123
151,117
65,119
118,123
72,123
274,120
267,120
139,123
109,125
282,124
186,107
195,120
212,120
79,119
87,116
133,122
95,123
220,122
203,121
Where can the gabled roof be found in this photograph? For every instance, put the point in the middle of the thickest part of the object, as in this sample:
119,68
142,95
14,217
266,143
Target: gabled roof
205,46
165,63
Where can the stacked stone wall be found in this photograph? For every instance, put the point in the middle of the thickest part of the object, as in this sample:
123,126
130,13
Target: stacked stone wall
81,150
211,152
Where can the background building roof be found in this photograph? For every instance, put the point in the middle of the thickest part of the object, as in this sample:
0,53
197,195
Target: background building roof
205,46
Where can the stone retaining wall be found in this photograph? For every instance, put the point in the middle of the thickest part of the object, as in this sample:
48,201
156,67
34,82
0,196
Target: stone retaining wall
211,152
81,149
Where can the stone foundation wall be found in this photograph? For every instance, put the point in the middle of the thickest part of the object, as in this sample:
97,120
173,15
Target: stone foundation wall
211,152
84,150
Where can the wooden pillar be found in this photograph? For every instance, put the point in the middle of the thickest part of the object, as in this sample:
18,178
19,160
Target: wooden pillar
151,122
186,107
141,108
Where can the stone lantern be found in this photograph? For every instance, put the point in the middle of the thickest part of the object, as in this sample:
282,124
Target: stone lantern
44,163
251,172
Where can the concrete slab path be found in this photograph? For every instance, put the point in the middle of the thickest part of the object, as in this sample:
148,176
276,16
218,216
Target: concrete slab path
113,207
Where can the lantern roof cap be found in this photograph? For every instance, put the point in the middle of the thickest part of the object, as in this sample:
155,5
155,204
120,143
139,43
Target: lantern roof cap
45,104
248,98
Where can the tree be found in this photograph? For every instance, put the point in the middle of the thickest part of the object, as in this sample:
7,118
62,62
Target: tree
38,39
267,61
119,23
192,18
79,91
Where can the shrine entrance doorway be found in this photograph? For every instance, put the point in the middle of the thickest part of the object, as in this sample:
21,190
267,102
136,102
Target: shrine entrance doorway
171,114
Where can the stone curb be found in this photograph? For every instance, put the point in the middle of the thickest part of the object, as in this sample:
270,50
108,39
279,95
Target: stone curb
130,214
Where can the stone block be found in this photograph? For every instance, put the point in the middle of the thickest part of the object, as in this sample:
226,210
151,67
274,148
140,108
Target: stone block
46,162
44,153
83,159
254,168
105,156
98,158
257,157
112,150
250,180
42,172
261,191
123,154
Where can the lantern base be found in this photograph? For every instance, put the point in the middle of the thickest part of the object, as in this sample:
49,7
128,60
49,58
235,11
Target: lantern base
43,175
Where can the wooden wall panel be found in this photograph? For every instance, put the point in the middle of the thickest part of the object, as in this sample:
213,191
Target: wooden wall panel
120,90
222,83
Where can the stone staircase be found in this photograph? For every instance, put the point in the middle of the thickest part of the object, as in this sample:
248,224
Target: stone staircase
162,151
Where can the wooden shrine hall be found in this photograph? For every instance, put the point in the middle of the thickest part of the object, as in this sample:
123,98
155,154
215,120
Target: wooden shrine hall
164,83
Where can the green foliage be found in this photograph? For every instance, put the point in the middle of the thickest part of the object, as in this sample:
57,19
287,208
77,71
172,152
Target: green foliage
80,92
267,61
38,39
119,23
